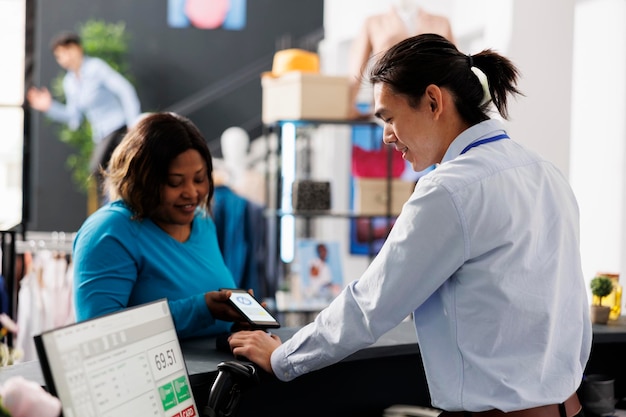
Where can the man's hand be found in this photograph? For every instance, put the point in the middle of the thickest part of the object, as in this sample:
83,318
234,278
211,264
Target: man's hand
257,346
39,99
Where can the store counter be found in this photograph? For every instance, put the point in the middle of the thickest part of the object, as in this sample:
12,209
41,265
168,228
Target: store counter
364,384
386,373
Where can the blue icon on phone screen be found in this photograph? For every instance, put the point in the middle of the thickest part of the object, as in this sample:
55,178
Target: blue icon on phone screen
243,300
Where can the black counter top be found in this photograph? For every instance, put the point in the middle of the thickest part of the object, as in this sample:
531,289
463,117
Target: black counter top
201,355
366,382
612,332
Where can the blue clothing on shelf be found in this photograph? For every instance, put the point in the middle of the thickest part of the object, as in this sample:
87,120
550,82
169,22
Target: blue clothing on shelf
121,262
240,226
229,211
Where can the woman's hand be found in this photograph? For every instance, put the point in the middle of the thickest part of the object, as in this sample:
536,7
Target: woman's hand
220,308
257,346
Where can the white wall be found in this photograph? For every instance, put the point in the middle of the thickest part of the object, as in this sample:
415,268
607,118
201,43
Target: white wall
598,148
571,56
541,45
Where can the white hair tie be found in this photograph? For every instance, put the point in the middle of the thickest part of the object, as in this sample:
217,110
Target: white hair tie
484,83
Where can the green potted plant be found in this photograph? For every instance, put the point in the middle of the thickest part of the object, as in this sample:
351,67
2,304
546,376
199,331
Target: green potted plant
601,286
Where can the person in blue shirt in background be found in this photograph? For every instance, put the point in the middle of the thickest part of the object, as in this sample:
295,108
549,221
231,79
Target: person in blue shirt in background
485,255
94,90
156,238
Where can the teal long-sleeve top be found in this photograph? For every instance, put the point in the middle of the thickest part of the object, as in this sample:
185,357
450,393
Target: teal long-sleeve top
121,262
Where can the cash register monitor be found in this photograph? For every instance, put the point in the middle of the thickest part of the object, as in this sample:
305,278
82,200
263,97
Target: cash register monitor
127,363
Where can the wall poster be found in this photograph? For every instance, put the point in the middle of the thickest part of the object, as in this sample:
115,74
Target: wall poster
207,14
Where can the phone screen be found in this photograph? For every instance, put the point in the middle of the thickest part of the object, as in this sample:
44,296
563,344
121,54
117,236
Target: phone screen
252,310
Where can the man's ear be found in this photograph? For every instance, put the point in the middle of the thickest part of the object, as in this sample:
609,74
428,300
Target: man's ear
434,97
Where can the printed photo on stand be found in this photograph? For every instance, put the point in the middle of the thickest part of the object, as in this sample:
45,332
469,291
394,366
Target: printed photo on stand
321,275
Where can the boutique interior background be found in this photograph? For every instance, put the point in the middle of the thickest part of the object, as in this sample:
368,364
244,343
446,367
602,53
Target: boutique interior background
572,57
202,80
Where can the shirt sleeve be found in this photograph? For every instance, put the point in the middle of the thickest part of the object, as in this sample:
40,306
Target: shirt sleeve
124,91
102,286
424,248
67,113
190,314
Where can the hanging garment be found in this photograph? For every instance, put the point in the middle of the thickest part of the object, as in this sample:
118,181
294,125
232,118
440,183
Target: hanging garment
44,299
240,227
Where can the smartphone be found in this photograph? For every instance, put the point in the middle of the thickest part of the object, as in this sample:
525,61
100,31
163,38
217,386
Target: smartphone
251,309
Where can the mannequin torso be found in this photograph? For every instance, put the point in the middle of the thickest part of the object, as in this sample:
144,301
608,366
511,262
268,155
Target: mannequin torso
381,31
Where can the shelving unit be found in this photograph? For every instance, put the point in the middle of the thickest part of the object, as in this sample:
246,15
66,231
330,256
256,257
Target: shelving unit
290,159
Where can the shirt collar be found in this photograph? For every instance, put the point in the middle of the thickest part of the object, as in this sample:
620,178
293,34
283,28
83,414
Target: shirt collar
479,131
81,69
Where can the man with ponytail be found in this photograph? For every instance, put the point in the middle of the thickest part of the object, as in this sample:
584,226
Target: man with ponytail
484,255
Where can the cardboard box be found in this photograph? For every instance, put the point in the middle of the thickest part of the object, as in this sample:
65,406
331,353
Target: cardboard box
372,194
302,95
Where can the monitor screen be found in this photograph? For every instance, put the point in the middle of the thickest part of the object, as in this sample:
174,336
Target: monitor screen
127,363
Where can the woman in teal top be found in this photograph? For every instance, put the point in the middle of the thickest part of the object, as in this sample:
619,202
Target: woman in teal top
156,238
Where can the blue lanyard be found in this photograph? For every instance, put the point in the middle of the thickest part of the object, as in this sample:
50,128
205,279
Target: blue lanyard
483,141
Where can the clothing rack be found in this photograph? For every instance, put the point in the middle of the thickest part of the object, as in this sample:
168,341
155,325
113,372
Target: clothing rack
29,242
44,287
53,241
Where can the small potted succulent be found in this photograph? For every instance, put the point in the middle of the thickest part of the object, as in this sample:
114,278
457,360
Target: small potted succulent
601,286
